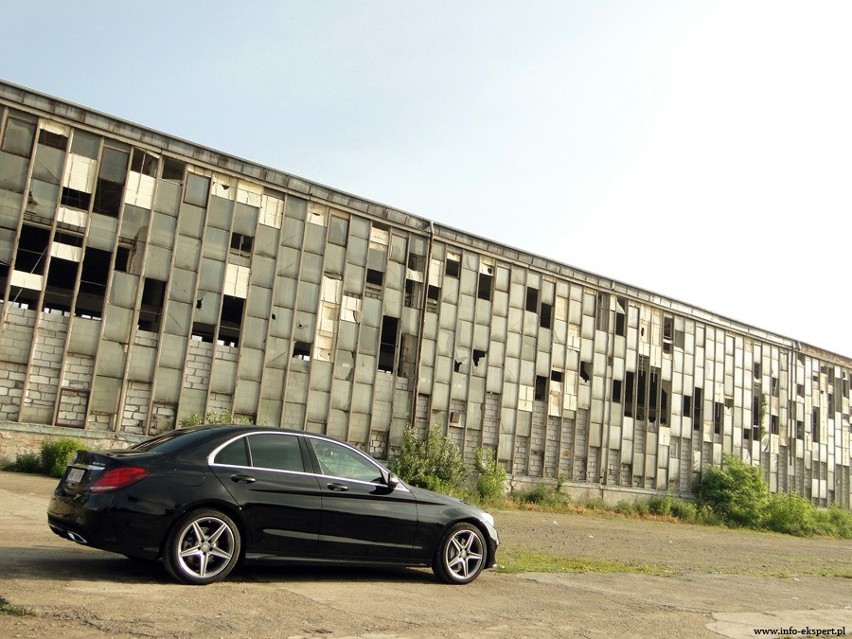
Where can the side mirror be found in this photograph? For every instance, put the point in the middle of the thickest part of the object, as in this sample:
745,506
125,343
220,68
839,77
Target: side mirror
393,481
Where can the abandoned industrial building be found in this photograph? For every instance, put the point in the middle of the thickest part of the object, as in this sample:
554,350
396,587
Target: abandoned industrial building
145,279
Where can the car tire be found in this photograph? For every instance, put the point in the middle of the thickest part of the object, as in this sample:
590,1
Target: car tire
461,555
203,547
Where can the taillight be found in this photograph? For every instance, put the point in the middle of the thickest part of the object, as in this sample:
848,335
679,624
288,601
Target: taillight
118,478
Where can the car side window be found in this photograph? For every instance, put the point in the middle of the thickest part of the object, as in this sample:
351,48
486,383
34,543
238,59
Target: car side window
234,454
276,452
339,461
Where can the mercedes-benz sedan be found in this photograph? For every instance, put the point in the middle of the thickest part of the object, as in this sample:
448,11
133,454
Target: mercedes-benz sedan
203,499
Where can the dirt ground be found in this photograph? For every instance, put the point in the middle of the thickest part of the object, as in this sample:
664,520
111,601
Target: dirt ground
715,583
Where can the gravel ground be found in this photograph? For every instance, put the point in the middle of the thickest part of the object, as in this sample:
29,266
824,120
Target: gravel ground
708,582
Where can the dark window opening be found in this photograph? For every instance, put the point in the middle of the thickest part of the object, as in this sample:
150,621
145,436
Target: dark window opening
413,292
664,404
540,388
718,413
668,327
416,262
144,163
773,386
32,248
75,199
815,425
800,390
653,391
24,297
241,244
698,409
585,371
831,404
800,430
453,267
477,356
532,299
755,410
374,277
620,324
387,343
557,376
111,178
302,350
151,310
667,346
616,391
232,311
433,293
687,405
756,370
52,140
456,365
629,379
173,169
122,259
203,332
546,315
61,278
774,426
67,238
483,289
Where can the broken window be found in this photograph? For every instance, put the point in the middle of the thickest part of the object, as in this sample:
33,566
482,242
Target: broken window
629,380
413,292
93,282
532,299
241,244
616,391
302,350
122,259
151,310
773,386
203,332
698,411
774,425
32,248
52,140
173,169
620,324
756,369
144,163
557,376
453,267
546,315
718,414
477,356
540,388
585,371
231,320
110,185
800,429
687,405
755,410
387,343
815,425
375,277
61,278
484,286
75,199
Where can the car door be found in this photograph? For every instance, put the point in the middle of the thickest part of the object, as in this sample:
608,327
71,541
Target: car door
281,503
363,518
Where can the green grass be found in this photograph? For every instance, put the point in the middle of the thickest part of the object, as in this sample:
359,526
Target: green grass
526,560
13,610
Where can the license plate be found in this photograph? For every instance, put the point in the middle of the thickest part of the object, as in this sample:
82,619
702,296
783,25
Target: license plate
75,475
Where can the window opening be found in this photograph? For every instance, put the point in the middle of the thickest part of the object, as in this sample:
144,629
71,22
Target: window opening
540,388
241,244
477,356
302,350
387,343
616,390
52,140
150,312
453,267
32,248
173,169
546,315
483,290
375,277
532,299
144,163
111,177
231,319
75,199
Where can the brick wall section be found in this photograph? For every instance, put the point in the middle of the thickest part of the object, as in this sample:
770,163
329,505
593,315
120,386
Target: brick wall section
11,387
198,361
76,383
136,407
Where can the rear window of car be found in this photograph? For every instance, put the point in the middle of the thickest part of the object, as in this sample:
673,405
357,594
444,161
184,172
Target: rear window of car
276,452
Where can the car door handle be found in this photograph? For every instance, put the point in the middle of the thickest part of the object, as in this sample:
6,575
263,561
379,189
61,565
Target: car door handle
338,487
243,479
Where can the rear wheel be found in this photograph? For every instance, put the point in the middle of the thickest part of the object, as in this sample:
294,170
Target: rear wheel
461,555
203,547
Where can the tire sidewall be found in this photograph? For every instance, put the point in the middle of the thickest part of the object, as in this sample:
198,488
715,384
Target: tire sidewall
440,566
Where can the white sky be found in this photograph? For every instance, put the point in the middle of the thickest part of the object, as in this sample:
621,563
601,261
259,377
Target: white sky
700,150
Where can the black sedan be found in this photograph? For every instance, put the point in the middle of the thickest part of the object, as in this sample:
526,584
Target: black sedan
203,499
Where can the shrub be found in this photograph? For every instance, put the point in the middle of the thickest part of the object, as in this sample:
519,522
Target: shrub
213,417
660,505
56,454
684,510
543,496
491,476
735,492
435,462
25,463
789,514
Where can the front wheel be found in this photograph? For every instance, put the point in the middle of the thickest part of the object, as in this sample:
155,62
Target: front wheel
461,555
203,547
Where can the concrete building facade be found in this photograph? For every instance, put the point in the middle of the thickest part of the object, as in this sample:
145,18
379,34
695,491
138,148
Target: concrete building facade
145,279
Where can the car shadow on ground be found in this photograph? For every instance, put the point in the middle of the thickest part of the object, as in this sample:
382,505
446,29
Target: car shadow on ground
86,564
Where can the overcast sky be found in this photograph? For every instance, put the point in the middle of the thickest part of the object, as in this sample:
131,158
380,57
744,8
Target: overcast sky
700,150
